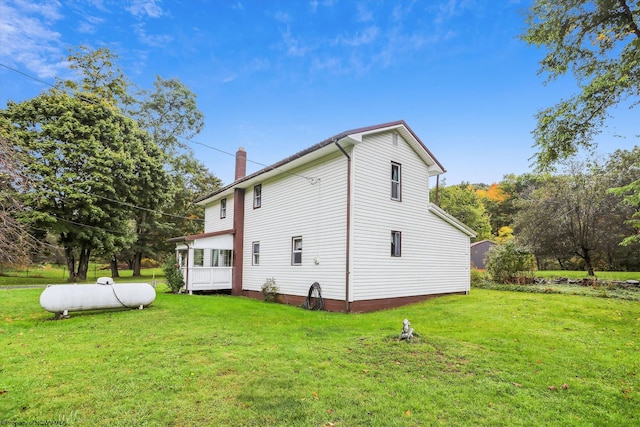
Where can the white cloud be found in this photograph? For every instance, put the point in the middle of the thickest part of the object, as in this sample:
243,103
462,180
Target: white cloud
313,4
89,26
229,78
282,17
154,40
143,8
363,14
294,46
366,36
27,39
49,11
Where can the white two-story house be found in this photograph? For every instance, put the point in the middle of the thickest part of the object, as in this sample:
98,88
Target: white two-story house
351,213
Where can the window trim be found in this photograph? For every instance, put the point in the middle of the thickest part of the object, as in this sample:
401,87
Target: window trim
257,196
396,183
223,208
396,246
295,251
255,255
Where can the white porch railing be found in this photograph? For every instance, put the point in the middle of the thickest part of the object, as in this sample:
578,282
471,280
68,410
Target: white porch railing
208,278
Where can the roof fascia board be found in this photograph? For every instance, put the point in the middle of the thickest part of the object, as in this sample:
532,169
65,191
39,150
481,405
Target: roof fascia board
439,212
355,135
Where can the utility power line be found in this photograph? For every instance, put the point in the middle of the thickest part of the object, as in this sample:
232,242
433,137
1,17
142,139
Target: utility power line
312,180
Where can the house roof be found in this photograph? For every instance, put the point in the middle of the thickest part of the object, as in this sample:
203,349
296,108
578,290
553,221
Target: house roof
489,242
306,155
439,212
191,238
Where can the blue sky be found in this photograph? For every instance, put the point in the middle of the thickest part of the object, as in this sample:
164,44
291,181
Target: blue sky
276,77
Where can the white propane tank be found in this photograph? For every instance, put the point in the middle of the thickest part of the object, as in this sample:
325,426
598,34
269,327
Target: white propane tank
105,294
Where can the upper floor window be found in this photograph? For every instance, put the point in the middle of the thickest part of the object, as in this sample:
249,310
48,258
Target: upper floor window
296,251
395,181
223,208
396,243
255,251
257,196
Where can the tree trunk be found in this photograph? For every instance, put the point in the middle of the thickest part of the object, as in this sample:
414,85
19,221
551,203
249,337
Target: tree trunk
71,263
137,263
587,261
83,263
113,264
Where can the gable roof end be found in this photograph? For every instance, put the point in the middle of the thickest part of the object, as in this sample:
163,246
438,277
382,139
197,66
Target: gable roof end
356,134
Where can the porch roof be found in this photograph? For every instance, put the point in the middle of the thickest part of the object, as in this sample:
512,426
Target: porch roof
193,237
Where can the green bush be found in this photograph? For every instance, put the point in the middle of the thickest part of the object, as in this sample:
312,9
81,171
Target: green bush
510,263
270,289
477,277
172,274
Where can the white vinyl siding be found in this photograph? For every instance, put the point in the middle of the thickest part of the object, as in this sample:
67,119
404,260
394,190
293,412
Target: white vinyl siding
212,214
312,208
434,254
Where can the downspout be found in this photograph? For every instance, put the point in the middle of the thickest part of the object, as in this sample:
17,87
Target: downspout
186,270
437,189
348,251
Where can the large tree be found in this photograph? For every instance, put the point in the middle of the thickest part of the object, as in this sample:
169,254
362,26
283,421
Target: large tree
86,161
624,170
169,113
598,41
463,203
16,242
573,215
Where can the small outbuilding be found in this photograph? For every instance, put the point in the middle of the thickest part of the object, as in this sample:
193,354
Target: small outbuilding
478,252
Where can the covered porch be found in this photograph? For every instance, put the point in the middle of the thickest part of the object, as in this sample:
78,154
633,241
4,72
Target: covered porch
205,261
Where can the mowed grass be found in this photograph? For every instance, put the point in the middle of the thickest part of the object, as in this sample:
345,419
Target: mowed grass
577,274
54,274
490,358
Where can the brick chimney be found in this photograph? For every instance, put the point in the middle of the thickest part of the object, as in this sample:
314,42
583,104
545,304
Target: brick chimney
241,163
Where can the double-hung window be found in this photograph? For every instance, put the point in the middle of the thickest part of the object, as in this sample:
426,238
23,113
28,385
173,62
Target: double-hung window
396,243
396,181
257,196
255,251
223,208
296,251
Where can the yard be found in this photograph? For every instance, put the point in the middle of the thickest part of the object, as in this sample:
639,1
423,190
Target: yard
489,358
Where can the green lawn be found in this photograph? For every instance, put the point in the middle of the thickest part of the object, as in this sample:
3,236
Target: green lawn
490,358
603,275
52,274
608,284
